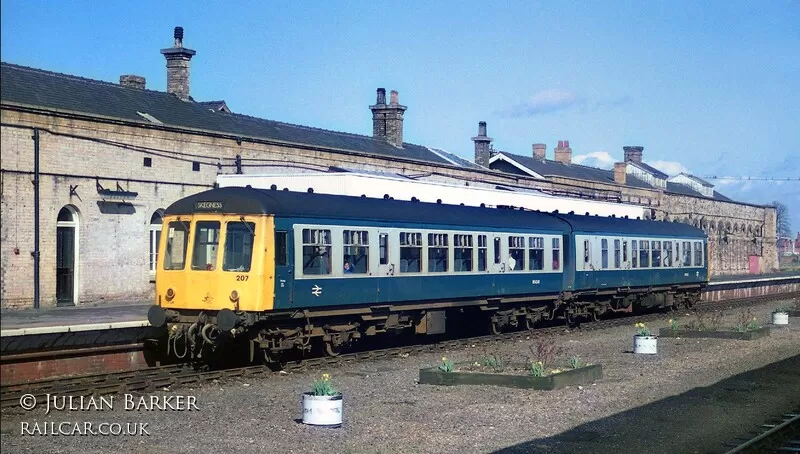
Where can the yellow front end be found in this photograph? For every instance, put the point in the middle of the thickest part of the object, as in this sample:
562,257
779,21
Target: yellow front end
209,262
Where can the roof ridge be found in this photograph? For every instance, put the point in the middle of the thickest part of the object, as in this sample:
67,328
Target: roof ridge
559,162
78,78
313,128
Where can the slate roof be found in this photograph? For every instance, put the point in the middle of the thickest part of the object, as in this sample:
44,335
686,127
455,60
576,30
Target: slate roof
698,180
678,188
49,90
650,169
455,159
215,105
547,168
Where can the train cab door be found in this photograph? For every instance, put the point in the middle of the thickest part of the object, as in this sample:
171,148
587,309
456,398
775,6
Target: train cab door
284,269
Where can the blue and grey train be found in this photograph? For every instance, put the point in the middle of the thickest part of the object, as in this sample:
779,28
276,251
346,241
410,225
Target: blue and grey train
287,270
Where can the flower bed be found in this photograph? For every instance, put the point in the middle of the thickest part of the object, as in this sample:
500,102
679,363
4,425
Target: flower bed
515,375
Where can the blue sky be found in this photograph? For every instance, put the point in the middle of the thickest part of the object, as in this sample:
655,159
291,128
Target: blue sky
709,87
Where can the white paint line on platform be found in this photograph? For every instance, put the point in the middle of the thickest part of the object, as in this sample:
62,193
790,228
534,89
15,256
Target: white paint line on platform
72,328
753,280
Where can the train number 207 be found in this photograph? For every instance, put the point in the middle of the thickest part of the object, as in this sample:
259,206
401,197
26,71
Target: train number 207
241,277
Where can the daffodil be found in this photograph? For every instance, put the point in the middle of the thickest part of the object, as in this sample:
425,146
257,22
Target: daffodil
326,377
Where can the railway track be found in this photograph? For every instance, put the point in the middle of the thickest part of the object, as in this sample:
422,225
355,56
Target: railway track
148,380
782,435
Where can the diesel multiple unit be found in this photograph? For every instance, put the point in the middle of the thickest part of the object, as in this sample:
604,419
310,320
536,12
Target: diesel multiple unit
286,271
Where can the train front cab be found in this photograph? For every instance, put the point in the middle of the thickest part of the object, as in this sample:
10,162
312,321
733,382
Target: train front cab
210,262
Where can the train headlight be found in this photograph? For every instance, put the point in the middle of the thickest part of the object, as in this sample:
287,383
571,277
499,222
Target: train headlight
234,295
170,294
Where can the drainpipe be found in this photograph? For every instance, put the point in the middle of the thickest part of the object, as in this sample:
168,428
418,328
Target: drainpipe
35,218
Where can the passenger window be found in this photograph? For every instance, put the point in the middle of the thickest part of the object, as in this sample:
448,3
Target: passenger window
355,258
604,254
556,254
497,259
656,254
667,253
383,243
281,252
616,255
462,254
698,253
410,252
644,254
206,244
634,254
177,241
316,251
516,253
481,252
239,238
535,253
437,252
687,253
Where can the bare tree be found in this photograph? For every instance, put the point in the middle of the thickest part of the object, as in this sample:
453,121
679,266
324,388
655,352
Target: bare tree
782,223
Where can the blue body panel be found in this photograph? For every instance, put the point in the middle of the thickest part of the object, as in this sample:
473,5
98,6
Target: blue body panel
325,291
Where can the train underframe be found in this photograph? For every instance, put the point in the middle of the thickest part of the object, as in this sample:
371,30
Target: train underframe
198,335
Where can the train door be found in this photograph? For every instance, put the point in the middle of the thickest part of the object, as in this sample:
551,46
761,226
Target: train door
568,265
388,258
499,252
284,271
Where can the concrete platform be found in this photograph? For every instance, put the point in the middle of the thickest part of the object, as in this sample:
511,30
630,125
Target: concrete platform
718,280
72,319
75,327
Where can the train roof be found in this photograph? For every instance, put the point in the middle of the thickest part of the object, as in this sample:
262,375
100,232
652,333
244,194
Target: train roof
244,200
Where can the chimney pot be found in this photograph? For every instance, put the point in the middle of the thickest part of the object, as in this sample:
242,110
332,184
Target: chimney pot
387,120
483,147
563,153
133,81
178,36
178,59
394,99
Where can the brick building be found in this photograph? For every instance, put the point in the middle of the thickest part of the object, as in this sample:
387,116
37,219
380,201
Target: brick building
112,156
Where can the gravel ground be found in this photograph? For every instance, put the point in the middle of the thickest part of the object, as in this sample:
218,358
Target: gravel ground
691,397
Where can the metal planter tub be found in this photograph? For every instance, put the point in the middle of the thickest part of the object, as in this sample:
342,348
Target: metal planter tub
570,377
745,335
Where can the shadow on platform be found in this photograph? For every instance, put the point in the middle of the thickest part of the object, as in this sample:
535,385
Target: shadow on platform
701,420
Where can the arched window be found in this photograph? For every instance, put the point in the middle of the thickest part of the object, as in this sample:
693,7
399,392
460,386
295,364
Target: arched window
155,238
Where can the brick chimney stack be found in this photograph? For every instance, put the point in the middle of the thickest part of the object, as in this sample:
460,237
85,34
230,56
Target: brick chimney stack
130,80
563,153
482,146
633,154
539,151
178,58
620,174
387,119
